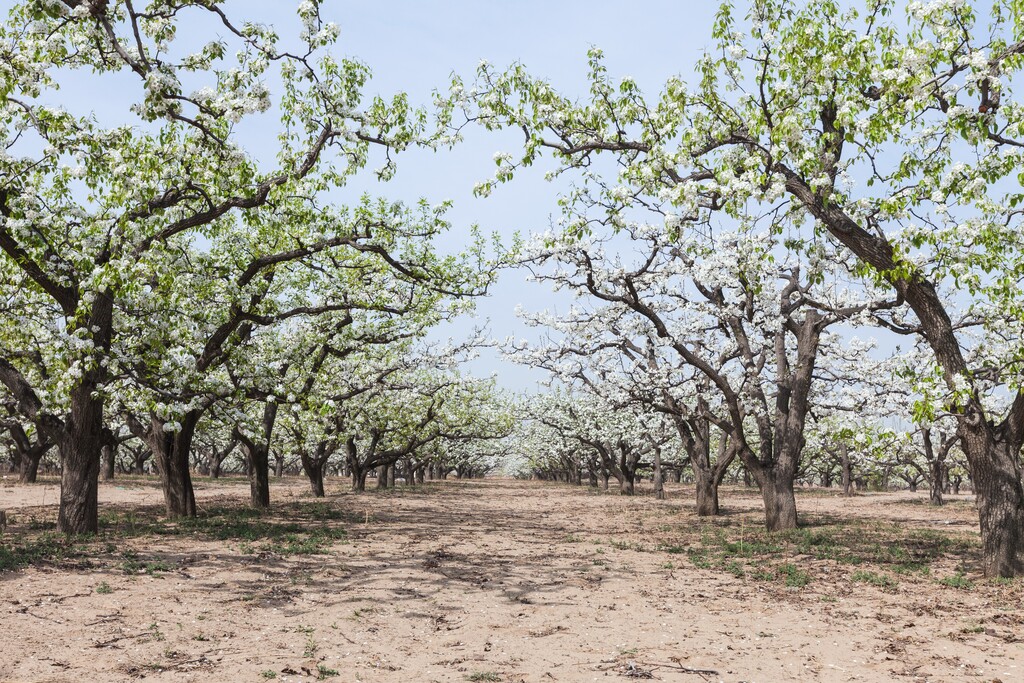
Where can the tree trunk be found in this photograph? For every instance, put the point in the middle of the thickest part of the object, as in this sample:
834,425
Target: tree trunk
999,496
80,459
29,469
27,454
171,456
391,475
604,479
108,451
315,472
847,466
706,490
359,479
779,502
139,459
278,465
937,483
659,482
259,476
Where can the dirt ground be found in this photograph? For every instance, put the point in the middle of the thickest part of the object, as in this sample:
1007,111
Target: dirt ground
503,580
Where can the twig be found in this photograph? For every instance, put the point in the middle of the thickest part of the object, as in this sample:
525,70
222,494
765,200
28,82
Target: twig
687,669
108,643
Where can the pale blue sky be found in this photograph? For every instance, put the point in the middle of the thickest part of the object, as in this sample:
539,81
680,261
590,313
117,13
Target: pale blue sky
415,46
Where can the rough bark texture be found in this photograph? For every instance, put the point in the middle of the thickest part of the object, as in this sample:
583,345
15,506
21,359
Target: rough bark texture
171,457
659,482
29,470
257,453
695,434
992,449
359,479
80,457
259,480
847,467
779,502
996,478
313,464
626,485
109,450
707,493
27,453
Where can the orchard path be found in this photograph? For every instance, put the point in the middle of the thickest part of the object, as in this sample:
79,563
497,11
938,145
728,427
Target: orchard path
490,580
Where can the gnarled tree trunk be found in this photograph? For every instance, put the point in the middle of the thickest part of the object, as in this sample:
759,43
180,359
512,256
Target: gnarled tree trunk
999,496
80,458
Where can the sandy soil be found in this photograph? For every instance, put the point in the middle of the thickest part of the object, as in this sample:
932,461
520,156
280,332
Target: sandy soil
497,581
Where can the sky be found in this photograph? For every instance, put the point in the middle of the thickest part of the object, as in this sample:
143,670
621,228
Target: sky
415,47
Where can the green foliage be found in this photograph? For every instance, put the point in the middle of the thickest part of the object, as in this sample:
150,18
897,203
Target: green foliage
957,580
478,676
324,672
873,578
793,576
43,549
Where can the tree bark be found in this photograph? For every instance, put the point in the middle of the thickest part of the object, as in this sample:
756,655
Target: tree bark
996,479
707,492
29,470
847,467
109,450
992,450
659,482
27,454
80,458
779,500
359,479
171,456
259,476
314,465
626,485
937,483
314,470
258,456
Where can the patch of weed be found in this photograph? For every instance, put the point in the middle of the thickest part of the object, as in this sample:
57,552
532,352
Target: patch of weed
873,578
958,580
699,558
794,577
43,549
323,672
